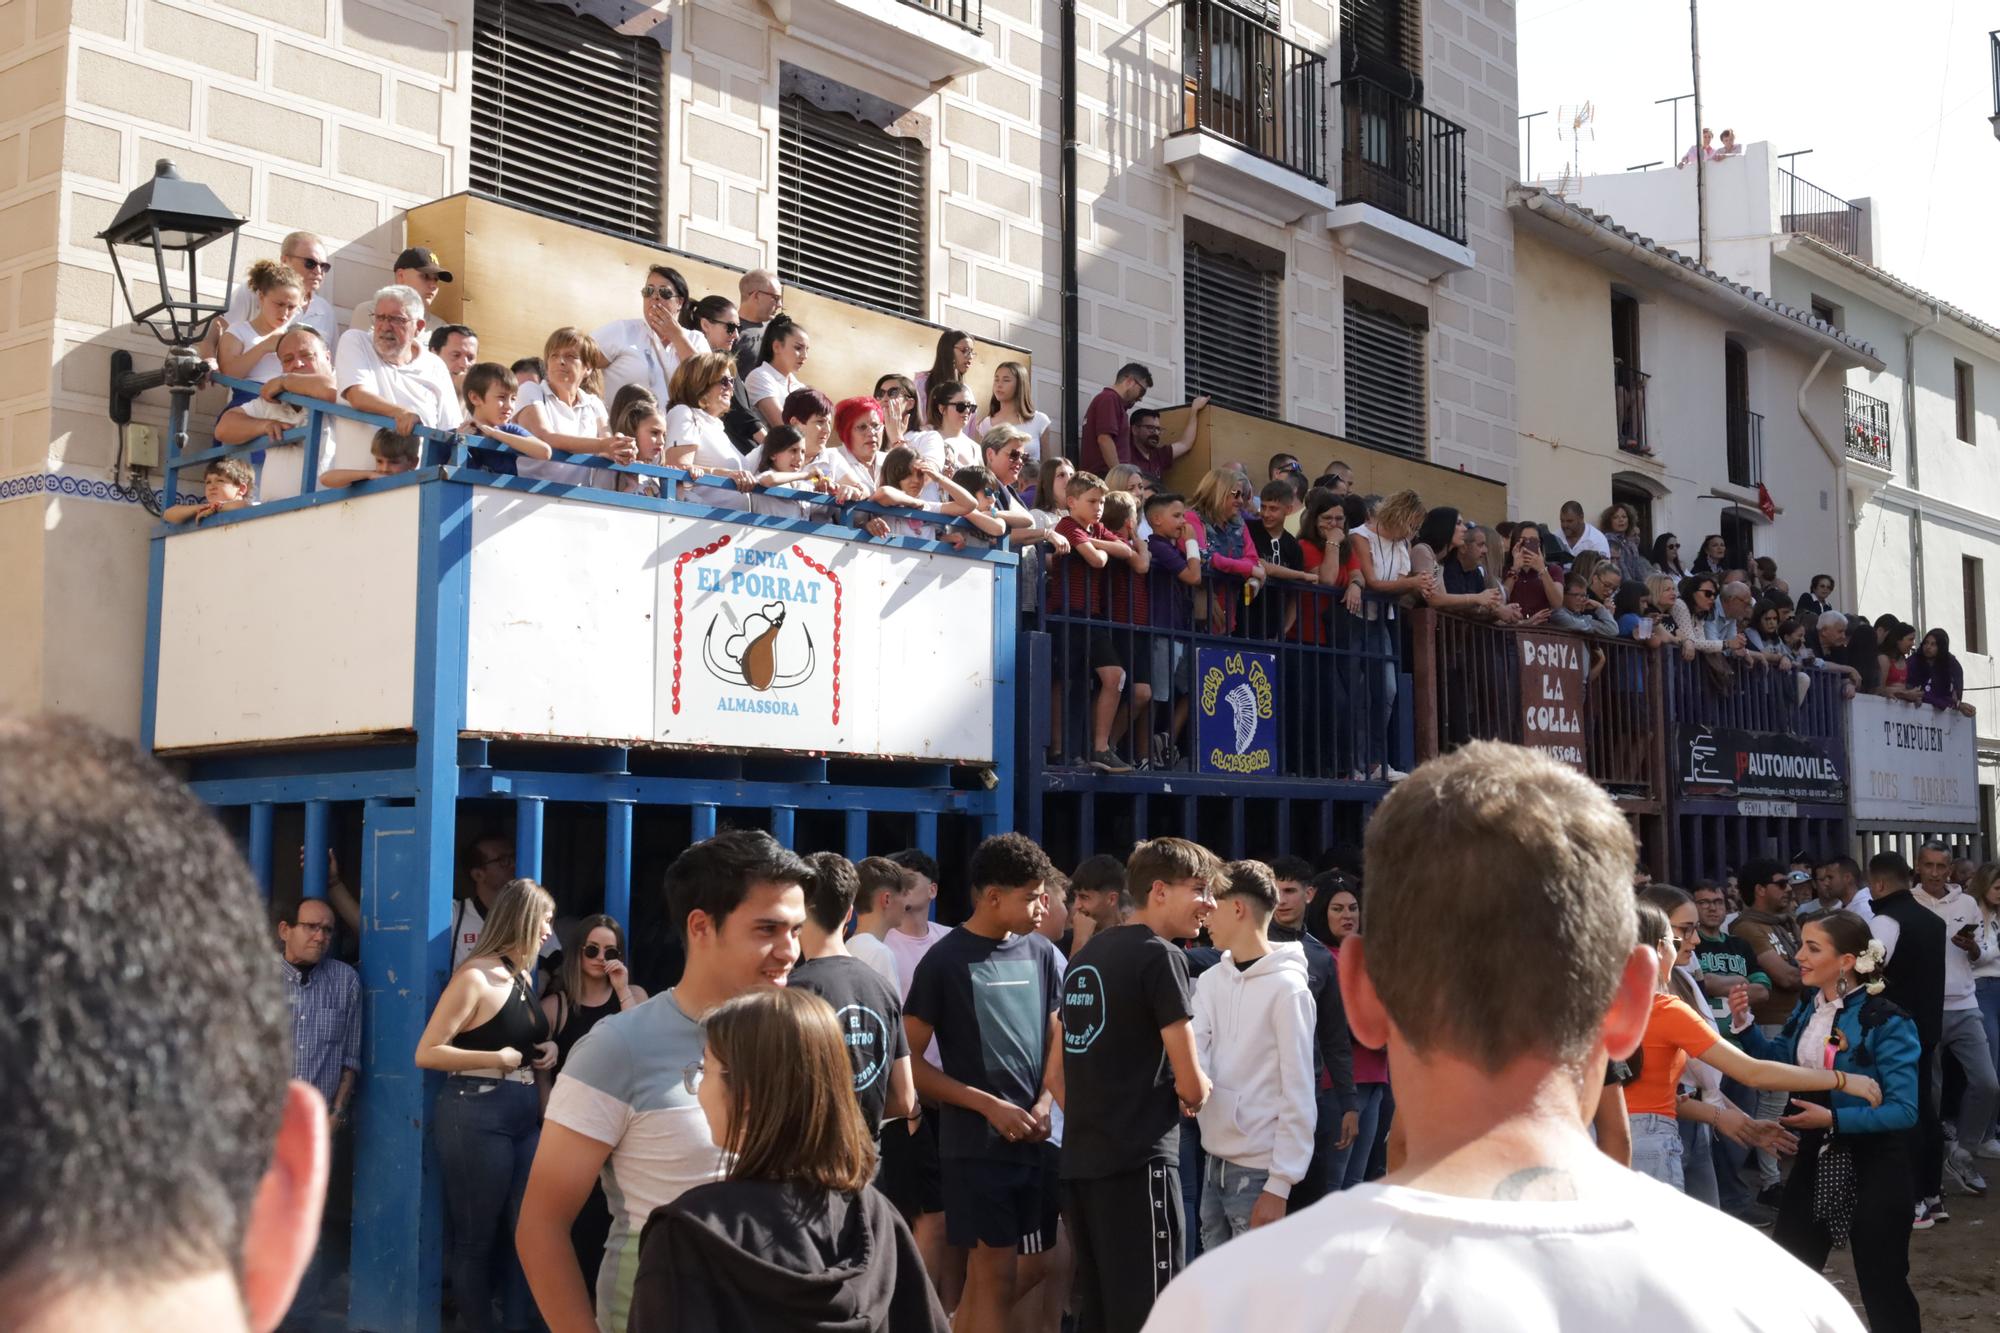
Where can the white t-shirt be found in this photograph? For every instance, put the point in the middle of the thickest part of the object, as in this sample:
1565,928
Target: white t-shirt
690,425
1591,540
466,923
1034,428
284,468
318,314
766,382
622,1085
843,467
637,357
876,954
423,385
909,950
1385,1258
585,417
268,366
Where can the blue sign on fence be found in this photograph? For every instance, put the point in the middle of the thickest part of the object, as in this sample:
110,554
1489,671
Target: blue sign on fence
1236,712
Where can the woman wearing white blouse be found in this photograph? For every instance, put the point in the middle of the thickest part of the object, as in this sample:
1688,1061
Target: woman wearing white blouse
776,377
695,437
953,361
248,349
646,350
949,445
1013,405
565,413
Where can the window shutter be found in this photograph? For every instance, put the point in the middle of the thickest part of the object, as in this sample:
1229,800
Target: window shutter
1232,332
566,116
1386,389
850,208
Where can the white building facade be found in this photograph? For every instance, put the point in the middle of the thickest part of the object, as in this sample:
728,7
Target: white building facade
1923,530
1297,207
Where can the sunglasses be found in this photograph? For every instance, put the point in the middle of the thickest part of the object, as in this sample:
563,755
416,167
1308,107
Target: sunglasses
963,407
732,328
894,394
665,293
314,265
1015,455
611,953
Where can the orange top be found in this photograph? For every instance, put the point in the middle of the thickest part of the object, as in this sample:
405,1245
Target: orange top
1673,1033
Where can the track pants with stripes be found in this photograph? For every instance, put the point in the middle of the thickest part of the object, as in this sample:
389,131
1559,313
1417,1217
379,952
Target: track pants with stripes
1130,1240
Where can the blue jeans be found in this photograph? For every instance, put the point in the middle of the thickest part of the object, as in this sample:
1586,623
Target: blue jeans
486,1135
1988,991
1698,1163
1228,1193
1656,1149
1351,1171
1379,676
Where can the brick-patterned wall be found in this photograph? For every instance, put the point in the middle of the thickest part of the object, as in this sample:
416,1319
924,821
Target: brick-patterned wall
1470,77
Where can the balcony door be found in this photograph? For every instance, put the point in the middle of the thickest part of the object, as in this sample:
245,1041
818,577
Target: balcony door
1736,407
1235,54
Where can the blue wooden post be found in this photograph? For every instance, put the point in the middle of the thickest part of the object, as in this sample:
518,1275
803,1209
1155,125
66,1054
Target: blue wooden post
317,813
618,862
857,834
999,815
784,823
702,816
260,844
528,812
398,1242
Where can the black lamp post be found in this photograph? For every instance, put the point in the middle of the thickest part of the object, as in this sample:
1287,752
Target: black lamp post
174,219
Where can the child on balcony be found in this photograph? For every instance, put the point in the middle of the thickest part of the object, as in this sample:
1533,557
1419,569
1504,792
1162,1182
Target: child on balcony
785,469
490,389
306,370
394,454
1076,592
1129,602
904,477
225,484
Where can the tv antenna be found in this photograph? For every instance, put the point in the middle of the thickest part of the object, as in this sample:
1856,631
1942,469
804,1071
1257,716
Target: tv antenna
1574,123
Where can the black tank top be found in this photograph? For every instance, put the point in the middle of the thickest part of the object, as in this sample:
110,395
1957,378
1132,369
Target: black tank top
579,1020
520,1023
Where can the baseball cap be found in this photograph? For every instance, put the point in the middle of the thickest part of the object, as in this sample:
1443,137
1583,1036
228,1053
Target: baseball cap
420,257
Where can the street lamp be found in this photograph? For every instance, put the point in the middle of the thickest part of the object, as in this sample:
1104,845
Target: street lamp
175,219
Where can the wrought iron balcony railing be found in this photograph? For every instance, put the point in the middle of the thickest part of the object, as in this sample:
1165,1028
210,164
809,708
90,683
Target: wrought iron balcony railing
1246,82
1867,428
1401,158
965,13
1746,448
1807,210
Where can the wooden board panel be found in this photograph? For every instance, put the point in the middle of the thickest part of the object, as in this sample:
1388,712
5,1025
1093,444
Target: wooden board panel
1227,438
519,276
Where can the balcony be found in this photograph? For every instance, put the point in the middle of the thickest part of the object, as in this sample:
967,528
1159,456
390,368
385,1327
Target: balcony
925,42
1805,209
1630,387
1868,430
1253,114
1402,182
1746,448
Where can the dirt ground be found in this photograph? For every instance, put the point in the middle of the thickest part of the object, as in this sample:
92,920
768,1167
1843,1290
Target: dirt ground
1954,1267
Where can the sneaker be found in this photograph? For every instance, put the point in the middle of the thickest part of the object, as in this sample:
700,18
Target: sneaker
1107,761
1950,1129
1960,1171
1390,773
1990,1150
1924,1220
1935,1207
1769,1196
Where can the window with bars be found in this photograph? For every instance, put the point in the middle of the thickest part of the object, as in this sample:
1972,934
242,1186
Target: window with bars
1387,387
1232,330
850,208
566,116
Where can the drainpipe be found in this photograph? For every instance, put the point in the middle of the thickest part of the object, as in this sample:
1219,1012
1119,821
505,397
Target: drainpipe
1910,460
1842,503
1066,187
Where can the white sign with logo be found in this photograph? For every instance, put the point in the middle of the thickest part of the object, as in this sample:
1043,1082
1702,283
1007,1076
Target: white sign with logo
594,622
1913,764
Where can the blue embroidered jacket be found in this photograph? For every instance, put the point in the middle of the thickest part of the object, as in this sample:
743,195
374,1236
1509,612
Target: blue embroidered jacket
1871,1036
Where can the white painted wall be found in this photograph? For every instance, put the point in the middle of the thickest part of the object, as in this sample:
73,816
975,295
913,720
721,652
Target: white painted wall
291,625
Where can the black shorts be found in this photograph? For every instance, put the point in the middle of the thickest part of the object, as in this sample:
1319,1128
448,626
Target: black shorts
993,1202
1095,645
1130,1240
1043,1238
909,1174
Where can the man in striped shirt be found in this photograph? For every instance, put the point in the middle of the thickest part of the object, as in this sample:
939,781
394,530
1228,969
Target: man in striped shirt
326,1005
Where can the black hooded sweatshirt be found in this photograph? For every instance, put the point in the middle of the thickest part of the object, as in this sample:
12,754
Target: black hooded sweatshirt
778,1258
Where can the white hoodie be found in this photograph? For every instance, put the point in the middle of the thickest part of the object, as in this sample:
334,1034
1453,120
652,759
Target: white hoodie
1253,1033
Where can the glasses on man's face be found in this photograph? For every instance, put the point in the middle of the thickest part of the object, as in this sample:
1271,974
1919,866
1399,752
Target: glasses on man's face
504,859
393,321
777,297
314,927
314,265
